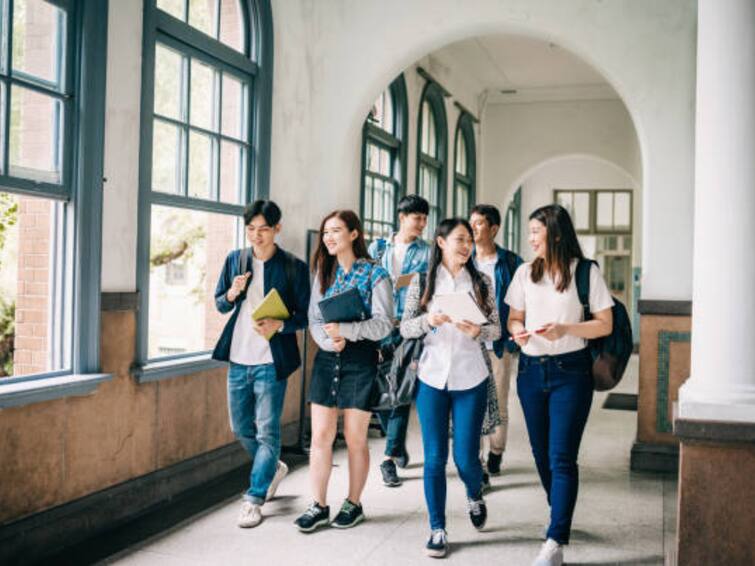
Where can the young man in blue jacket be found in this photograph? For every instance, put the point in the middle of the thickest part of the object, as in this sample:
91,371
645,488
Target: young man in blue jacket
403,253
259,367
499,264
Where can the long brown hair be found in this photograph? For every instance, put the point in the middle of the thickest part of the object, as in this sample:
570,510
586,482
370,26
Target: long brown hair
562,245
481,290
325,264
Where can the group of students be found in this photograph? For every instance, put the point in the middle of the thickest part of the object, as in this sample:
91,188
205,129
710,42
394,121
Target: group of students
531,309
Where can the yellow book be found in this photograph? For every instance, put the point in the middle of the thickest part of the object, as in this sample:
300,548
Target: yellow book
272,306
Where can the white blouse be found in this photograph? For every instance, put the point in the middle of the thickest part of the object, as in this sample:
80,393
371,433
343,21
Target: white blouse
451,358
542,303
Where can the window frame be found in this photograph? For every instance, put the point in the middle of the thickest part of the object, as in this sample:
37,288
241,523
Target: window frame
513,216
593,211
395,144
81,192
435,95
466,134
256,66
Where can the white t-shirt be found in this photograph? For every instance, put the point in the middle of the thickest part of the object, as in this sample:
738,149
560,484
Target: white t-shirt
247,347
488,268
542,304
451,358
399,253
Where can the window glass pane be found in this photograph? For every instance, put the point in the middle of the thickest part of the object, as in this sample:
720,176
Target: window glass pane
201,165
168,81
38,33
622,210
432,149
385,162
373,158
198,242
564,198
605,210
581,216
367,196
174,7
202,15
234,108
232,24
424,143
461,154
387,203
377,200
231,172
35,134
167,162
387,121
28,282
204,96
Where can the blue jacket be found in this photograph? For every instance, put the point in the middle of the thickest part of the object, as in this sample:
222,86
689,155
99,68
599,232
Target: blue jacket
503,277
283,345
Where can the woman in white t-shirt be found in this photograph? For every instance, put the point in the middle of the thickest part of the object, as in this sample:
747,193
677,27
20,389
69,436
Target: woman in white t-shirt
554,382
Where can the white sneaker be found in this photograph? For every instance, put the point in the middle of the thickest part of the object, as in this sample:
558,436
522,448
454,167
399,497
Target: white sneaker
250,515
551,554
280,473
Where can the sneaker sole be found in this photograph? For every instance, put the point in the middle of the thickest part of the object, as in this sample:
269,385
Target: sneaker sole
275,483
481,526
436,553
249,525
394,484
314,527
350,525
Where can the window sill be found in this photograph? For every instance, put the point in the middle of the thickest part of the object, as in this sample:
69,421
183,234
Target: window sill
156,371
25,392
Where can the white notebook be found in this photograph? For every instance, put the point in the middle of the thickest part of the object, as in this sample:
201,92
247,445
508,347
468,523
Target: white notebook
459,307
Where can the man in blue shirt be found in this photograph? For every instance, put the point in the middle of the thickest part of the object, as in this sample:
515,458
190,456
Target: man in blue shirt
403,253
262,353
499,264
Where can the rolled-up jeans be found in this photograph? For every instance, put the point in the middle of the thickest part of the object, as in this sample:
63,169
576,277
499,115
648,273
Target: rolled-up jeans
255,404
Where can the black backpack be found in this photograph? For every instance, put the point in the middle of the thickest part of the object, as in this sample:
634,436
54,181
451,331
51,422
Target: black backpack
397,374
611,353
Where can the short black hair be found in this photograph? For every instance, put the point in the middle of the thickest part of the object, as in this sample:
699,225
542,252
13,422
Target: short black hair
413,204
267,208
490,212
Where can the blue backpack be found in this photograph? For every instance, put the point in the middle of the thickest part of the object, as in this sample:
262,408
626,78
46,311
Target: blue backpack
610,354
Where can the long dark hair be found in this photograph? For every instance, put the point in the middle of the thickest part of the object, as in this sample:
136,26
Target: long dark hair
324,263
562,245
481,290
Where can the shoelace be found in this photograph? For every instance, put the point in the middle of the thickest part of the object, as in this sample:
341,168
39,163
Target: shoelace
313,510
439,537
475,506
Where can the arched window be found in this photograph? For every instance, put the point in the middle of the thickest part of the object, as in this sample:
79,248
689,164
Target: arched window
464,166
431,154
384,160
206,99
52,101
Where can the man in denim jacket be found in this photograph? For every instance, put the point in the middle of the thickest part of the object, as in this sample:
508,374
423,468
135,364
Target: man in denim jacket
259,367
403,253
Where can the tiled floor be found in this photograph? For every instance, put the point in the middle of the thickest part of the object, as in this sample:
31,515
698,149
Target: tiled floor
620,516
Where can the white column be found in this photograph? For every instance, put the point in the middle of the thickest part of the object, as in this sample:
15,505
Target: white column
722,384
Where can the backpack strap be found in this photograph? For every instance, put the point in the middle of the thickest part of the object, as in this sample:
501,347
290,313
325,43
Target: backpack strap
245,255
582,277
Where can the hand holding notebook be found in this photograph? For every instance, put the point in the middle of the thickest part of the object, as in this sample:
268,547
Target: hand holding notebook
272,306
459,307
344,307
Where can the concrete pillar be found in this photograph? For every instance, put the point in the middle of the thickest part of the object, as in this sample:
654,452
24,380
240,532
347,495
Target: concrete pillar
722,382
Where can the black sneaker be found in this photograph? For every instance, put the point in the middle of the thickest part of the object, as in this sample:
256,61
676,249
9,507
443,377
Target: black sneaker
315,516
437,545
478,512
349,516
390,477
403,460
494,463
485,482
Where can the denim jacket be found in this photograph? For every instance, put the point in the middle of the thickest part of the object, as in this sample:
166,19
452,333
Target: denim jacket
416,261
283,345
502,281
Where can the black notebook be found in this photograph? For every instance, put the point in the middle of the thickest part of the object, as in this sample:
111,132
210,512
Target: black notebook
344,307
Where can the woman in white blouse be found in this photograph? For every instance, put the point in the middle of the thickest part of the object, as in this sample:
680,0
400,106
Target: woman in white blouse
453,374
554,382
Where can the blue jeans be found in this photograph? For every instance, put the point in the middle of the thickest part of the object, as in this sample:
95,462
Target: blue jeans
556,395
434,407
255,404
395,423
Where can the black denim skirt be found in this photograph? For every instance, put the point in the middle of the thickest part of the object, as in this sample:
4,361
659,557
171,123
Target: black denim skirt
345,380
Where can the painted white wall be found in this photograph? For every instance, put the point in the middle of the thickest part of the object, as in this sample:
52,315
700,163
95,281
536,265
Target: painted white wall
333,58
576,172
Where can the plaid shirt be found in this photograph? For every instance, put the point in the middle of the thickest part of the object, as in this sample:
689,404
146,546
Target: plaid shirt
416,261
363,275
